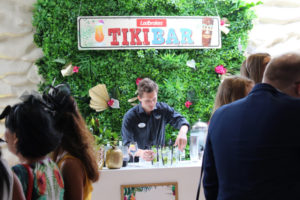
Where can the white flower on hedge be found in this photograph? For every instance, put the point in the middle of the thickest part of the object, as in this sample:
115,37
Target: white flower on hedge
67,70
191,63
115,104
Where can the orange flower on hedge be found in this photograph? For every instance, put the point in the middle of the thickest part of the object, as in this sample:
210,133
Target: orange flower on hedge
41,182
58,178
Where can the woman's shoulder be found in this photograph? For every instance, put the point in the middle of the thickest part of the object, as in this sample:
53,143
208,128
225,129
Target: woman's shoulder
71,163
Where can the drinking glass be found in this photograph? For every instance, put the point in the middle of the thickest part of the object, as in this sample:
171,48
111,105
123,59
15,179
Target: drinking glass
125,155
154,161
166,156
133,148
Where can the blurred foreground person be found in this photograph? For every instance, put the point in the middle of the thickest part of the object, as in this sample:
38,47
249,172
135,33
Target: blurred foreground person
10,186
30,136
75,156
253,148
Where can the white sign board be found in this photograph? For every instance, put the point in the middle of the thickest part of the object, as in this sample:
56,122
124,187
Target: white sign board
159,32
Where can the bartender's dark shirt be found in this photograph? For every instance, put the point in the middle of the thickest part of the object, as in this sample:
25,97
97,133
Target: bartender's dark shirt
148,130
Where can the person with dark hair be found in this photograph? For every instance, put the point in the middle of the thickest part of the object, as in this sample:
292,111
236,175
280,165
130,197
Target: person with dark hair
30,136
252,149
10,186
254,66
75,156
231,89
145,123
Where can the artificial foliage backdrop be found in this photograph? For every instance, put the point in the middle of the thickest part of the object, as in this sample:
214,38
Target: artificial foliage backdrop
189,90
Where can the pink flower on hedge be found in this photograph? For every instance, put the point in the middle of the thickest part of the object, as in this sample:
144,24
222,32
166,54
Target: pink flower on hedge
188,104
110,102
222,22
220,69
137,81
75,69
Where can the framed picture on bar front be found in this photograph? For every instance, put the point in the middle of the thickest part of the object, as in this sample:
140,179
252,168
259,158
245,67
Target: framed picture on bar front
157,191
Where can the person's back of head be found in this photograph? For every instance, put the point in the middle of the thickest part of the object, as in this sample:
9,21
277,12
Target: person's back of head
33,127
283,73
231,89
254,66
77,140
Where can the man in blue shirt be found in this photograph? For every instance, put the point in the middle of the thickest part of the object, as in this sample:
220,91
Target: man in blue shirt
145,123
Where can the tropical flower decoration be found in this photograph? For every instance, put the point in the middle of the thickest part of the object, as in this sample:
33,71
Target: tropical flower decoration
100,99
220,69
224,25
75,69
191,63
188,104
137,81
69,69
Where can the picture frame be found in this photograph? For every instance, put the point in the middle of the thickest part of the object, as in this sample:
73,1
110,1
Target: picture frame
149,191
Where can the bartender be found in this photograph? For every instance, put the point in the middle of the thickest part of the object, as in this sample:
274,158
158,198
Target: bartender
145,123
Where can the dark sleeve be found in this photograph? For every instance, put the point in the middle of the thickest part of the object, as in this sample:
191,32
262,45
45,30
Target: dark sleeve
127,130
174,118
210,179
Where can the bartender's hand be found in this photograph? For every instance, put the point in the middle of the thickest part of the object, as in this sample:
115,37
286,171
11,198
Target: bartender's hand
181,139
146,155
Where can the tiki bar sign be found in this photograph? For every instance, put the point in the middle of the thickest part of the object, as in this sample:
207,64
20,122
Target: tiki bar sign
125,32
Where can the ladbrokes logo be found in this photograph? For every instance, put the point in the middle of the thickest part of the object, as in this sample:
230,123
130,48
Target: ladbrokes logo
151,22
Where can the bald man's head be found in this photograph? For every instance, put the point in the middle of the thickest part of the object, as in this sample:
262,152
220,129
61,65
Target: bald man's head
283,73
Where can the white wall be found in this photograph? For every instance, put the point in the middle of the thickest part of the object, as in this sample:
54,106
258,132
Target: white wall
17,54
276,30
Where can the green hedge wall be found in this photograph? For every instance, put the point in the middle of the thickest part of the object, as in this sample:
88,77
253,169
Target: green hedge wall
56,33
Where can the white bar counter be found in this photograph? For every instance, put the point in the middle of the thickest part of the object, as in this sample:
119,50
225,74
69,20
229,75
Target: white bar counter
186,174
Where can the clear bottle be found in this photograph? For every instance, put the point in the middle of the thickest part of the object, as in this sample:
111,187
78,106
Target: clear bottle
197,140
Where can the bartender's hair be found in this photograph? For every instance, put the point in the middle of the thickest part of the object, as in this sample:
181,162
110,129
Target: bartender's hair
147,85
232,89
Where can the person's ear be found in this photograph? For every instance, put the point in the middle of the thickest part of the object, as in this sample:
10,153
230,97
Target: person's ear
14,139
139,98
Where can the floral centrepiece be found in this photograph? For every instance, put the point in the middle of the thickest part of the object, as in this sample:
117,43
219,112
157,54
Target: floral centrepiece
220,69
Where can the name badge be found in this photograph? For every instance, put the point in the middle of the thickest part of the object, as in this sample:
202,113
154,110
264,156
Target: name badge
157,116
141,125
